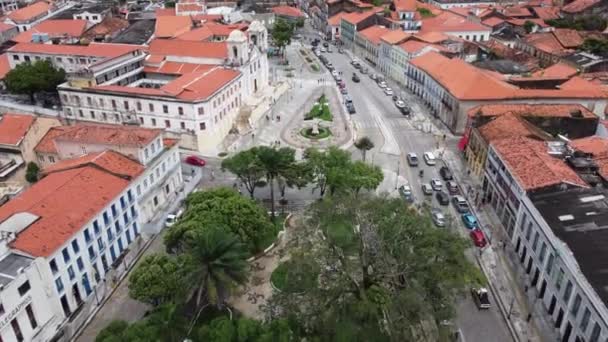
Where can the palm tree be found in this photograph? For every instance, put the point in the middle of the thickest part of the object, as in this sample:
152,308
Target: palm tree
276,163
219,260
364,144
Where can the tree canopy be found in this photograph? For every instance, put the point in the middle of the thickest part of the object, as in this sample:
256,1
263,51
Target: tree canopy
397,271
245,166
158,279
225,209
364,144
580,23
596,46
282,31
31,78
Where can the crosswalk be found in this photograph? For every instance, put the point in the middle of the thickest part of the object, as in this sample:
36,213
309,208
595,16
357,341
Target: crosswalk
393,122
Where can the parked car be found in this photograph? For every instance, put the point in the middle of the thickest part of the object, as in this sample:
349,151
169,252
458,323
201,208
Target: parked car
469,220
373,77
325,44
382,85
400,104
350,107
172,218
442,198
445,173
341,50
364,70
348,99
429,158
356,78
405,110
452,187
343,91
438,218
479,239
481,297
436,184
412,159
317,53
427,189
406,192
338,79
388,91
195,161
460,203
323,49
334,73
341,84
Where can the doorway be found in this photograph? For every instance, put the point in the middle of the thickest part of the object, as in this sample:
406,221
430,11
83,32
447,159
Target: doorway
76,294
567,332
255,85
65,306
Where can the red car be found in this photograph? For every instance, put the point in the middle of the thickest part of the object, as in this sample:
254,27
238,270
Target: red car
195,161
478,238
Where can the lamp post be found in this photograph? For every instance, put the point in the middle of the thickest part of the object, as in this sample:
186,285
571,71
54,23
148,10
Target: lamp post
397,178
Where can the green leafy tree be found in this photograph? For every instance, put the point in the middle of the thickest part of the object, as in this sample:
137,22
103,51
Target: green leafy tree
529,26
112,331
246,168
282,32
322,164
399,272
31,173
222,329
364,144
169,4
158,279
596,46
275,163
218,263
31,78
221,208
591,22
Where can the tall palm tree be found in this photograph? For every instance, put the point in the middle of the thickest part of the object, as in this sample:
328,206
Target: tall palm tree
219,262
275,162
364,144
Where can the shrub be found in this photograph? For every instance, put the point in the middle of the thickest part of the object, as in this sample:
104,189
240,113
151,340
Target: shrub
31,174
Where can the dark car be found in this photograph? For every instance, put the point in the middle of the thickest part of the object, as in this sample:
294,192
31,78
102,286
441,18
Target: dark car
452,187
195,161
356,78
405,110
442,198
445,173
350,107
325,44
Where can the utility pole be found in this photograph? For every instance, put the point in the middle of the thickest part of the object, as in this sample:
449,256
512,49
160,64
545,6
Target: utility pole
397,178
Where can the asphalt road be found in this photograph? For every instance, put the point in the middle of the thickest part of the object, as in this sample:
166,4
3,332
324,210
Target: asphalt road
395,136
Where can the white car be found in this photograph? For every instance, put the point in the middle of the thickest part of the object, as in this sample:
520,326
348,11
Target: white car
427,189
317,53
382,85
388,91
172,218
334,73
323,49
429,158
400,104
438,218
436,184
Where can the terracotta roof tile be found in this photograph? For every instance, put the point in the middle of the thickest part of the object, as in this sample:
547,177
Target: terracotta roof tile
507,126
451,22
288,11
405,5
356,17
30,12
199,34
168,142
395,37
64,28
109,26
434,37
109,134
168,27
493,21
517,11
336,18
532,166
546,41
165,47
14,127
558,70
413,46
108,160
546,13
598,146
164,12
5,66
374,33
176,68
538,110
578,6
89,190
568,38
91,50
5,27
47,143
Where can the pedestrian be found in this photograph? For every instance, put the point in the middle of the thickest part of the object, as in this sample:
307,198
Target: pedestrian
192,169
267,118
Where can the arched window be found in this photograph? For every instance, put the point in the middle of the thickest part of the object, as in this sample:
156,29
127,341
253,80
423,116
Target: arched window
235,51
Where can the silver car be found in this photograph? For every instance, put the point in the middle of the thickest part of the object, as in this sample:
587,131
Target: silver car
438,218
427,189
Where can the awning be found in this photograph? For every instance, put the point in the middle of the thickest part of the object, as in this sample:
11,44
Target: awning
462,144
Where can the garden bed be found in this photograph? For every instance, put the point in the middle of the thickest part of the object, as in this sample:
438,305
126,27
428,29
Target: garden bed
320,110
323,133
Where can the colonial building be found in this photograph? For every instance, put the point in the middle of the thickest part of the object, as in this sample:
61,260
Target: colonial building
159,183
451,87
66,241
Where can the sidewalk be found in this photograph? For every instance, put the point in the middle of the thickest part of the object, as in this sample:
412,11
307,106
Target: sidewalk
494,260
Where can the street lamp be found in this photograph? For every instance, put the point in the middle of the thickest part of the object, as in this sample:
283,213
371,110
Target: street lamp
397,178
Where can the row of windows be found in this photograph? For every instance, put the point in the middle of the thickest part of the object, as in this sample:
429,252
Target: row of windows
17,328
69,60
149,181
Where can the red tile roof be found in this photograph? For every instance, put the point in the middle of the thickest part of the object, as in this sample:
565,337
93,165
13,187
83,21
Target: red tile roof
288,11
168,27
532,166
108,160
434,37
558,70
395,37
109,135
163,12
30,12
5,66
91,50
578,6
168,142
109,26
538,110
517,11
493,21
6,27
598,146
59,28
14,127
546,13
176,68
335,19
568,38
405,5
507,126
199,34
374,33
67,200
413,46
47,143
451,22
165,47
356,17
466,82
